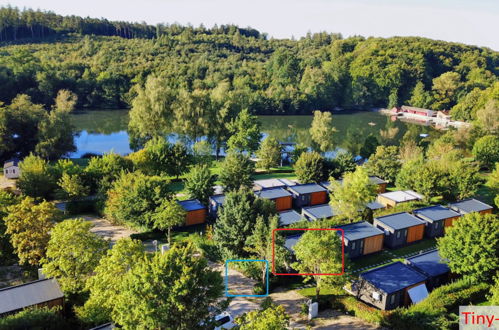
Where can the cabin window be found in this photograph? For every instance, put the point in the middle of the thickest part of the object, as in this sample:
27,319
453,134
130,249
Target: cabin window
405,232
436,224
361,244
353,245
392,299
398,234
376,296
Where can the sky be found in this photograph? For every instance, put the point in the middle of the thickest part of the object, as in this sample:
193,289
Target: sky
474,22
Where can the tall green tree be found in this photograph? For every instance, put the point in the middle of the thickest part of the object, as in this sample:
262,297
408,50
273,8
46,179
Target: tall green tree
199,183
319,252
167,215
420,97
171,288
486,150
272,317
246,135
309,167
73,252
322,131
269,154
6,250
37,178
446,87
385,163
470,245
29,226
103,171
352,194
236,171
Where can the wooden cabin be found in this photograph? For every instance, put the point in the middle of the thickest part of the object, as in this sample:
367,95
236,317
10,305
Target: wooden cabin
431,265
361,238
216,202
281,197
393,198
318,212
391,286
437,218
471,205
308,194
289,217
11,169
400,229
41,293
196,212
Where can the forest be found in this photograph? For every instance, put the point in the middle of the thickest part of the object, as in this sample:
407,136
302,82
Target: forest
107,64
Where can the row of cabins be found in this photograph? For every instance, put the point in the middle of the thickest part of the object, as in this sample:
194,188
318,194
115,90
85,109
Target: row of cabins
400,229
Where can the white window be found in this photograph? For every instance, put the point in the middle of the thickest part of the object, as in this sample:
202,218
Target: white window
392,299
376,296
353,245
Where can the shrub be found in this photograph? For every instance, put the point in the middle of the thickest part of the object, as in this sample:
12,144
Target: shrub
36,318
363,311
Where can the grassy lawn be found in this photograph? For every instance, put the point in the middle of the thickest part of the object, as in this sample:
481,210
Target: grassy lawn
264,176
424,244
374,259
325,292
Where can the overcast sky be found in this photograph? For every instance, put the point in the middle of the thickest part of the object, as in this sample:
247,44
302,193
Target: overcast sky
474,22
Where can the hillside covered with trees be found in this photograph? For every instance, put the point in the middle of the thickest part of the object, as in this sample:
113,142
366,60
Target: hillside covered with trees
106,64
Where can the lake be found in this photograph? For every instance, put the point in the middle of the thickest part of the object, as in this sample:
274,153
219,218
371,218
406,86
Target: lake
101,131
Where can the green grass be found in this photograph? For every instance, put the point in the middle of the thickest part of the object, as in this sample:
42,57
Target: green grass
373,259
413,248
262,176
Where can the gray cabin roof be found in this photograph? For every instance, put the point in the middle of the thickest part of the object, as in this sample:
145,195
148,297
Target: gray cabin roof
375,206
290,242
400,220
373,179
435,213
400,196
191,205
269,183
289,217
21,296
429,263
393,277
11,162
272,193
359,230
301,189
219,199
469,205
322,211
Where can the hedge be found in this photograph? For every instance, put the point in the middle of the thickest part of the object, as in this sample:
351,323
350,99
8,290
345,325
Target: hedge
35,318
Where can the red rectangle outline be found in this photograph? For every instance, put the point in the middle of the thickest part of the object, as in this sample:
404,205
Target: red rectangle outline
310,274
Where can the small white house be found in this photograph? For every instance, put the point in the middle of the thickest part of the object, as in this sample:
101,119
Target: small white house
11,169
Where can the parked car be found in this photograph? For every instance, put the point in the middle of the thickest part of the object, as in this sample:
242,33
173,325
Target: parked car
224,321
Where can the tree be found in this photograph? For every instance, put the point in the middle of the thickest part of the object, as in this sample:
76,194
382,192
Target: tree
465,178
35,318
199,183
319,252
352,195
269,154
410,151
493,183
494,292
486,150
470,245
260,242
245,132
73,252
73,186
163,158
105,285
446,87
236,171
420,97
273,317
37,179
322,130
168,214
103,171
134,198
203,151
369,147
342,163
172,290
488,117
235,222
29,226
309,167
6,250
385,163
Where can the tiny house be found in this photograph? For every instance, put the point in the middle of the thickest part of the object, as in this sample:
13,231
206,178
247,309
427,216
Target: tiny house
41,293
287,218
391,286
400,229
11,169
196,212
471,205
361,238
281,197
393,198
308,194
437,218
318,212
431,265
216,202
268,184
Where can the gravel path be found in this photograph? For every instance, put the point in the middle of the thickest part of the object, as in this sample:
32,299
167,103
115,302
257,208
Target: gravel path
106,229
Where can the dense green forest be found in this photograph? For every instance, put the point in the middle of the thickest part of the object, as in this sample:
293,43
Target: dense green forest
102,61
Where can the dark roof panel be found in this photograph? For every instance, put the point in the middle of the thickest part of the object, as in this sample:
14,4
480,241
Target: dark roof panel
376,180
322,211
272,193
400,220
435,213
307,188
430,263
469,205
289,217
219,199
291,241
191,205
359,230
393,277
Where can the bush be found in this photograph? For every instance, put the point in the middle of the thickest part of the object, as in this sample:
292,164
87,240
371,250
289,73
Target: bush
79,207
36,318
363,311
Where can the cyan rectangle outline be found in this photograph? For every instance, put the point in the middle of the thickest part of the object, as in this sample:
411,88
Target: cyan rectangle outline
246,295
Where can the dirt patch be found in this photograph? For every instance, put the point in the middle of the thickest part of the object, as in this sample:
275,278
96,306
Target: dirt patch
330,319
106,229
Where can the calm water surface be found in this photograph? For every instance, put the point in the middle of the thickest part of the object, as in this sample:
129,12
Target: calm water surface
102,131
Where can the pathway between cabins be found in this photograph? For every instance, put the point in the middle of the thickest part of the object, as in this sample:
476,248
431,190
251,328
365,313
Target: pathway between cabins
106,229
